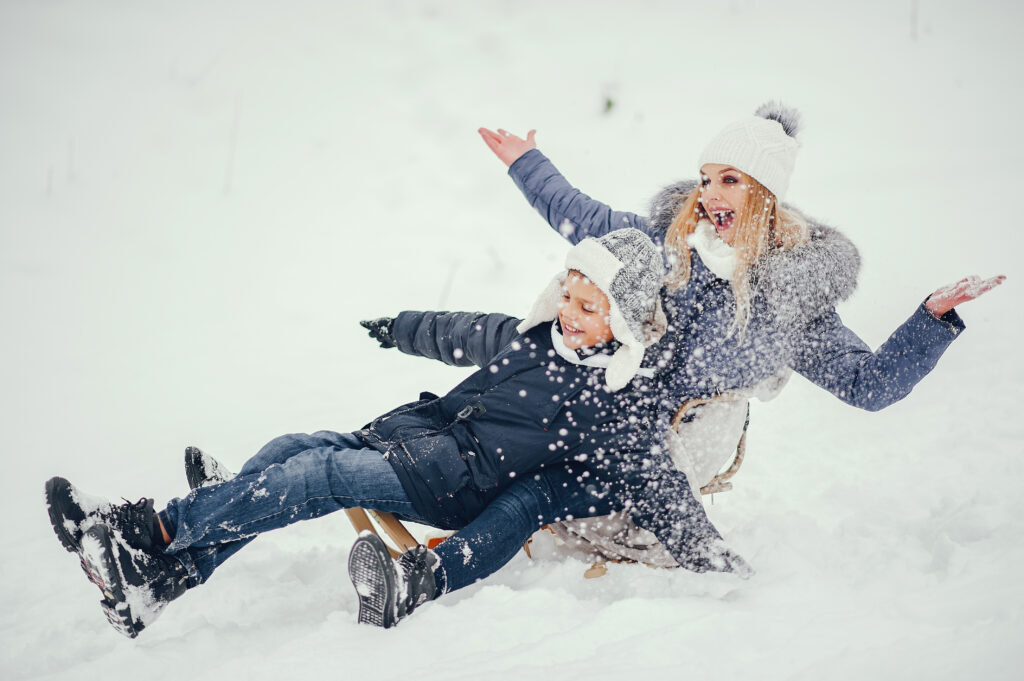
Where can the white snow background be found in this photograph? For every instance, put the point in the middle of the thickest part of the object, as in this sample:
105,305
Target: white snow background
199,200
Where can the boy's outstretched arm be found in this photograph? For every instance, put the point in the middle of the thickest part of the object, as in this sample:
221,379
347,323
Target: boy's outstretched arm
455,338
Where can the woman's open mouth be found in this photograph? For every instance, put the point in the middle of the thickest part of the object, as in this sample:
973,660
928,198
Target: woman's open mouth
723,219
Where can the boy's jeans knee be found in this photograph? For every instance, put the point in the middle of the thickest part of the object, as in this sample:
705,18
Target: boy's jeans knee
303,477
284,447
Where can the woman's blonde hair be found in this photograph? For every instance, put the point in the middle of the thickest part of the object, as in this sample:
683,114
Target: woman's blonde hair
762,225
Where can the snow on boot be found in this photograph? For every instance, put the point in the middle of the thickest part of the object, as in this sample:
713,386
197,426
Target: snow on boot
201,469
416,567
388,593
136,584
72,512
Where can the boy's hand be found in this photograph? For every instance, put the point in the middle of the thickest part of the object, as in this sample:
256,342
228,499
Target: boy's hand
381,330
508,147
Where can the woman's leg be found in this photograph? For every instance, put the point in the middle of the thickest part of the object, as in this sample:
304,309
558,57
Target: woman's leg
494,537
213,523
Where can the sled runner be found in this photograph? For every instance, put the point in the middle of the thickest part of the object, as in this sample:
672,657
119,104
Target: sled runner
708,434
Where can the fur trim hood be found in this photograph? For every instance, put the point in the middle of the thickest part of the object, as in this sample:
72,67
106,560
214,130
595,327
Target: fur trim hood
796,285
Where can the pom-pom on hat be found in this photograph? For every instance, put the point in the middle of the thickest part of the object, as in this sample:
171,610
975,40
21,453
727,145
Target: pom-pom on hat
763,146
628,268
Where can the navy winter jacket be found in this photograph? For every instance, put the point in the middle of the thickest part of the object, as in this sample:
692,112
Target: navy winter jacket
526,407
793,323
614,432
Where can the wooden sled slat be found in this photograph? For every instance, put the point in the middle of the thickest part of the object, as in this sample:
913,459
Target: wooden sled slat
392,526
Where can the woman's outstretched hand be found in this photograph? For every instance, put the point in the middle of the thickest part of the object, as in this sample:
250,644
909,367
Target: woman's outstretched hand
506,146
948,297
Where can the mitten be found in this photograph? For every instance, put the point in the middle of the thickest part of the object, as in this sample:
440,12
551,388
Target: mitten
381,330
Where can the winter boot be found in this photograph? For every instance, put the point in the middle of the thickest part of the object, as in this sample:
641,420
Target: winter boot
136,584
202,469
72,512
388,594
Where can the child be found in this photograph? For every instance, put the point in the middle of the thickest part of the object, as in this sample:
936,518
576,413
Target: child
555,393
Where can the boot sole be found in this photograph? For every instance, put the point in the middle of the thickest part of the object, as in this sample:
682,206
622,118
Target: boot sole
58,490
196,472
372,573
100,566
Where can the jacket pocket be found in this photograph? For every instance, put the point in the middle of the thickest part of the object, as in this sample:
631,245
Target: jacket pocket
436,458
476,459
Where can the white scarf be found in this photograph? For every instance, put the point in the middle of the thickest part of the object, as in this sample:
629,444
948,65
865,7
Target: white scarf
599,360
717,256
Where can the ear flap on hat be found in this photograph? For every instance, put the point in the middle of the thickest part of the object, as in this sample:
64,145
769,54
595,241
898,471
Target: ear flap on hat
623,366
545,308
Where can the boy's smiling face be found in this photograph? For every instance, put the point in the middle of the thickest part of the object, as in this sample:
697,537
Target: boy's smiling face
583,313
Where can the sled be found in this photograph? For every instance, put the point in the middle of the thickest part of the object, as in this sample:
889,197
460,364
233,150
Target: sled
401,540
719,483
394,529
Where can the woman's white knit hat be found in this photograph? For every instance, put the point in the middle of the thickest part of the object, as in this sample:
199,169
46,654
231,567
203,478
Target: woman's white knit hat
763,146
628,268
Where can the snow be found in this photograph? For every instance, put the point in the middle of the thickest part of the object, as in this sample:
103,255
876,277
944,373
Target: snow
198,202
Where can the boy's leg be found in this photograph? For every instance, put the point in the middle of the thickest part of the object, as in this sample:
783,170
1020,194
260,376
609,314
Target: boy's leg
388,592
212,523
122,552
282,448
496,535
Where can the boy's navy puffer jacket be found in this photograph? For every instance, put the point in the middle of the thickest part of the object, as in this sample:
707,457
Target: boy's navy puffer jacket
526,407
638,477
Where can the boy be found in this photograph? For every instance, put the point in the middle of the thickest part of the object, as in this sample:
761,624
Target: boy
555,393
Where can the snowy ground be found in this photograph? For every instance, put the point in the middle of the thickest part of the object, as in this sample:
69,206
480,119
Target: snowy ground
199,200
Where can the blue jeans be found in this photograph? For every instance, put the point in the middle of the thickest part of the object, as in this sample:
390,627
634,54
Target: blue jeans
292,478
497,534
300,477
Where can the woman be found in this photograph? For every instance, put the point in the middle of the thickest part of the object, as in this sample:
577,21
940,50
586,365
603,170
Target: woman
751,286
751,289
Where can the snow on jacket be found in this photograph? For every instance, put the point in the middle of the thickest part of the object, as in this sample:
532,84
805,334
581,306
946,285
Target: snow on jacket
643,482
527,406
793,322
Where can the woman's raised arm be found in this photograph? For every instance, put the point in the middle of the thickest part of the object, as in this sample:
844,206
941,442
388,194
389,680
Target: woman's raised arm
833,357
569,211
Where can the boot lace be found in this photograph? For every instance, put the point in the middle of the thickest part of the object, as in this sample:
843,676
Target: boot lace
417,566
136,521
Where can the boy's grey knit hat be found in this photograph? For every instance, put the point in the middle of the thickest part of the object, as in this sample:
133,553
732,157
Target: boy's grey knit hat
627,266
